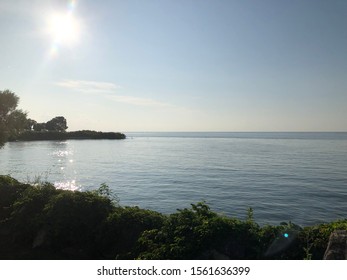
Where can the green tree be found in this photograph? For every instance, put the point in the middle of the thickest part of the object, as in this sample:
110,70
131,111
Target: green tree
39,126
12,121
56,124
30,124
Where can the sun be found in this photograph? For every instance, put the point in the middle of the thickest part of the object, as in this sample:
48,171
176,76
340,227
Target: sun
64,29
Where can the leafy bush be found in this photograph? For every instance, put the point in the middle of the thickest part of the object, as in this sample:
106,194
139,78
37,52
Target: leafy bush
27,218
281,242
72,221
40,222
122,229
199,233
10,191
314,239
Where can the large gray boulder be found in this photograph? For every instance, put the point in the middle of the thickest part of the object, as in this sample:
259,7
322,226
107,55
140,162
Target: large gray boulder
337,246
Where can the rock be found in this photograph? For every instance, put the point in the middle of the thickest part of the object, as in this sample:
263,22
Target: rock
337,246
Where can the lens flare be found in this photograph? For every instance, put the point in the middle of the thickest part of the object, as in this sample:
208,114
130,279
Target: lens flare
71,5
64,28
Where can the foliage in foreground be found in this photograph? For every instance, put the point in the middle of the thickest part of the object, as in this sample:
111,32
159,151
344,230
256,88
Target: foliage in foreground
41,222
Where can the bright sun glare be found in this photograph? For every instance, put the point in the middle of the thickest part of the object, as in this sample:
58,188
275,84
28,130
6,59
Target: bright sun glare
64,29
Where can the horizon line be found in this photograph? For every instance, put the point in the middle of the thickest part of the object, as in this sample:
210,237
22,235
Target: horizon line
239,131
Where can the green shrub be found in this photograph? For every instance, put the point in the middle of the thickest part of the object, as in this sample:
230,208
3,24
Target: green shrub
314,239
199,233
10,191
27,217
281,242
72,221
41,222
121,230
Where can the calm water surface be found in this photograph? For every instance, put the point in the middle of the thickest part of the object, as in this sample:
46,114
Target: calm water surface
300,177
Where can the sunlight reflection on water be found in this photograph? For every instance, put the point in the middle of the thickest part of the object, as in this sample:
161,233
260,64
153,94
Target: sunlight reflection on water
67,185
302,180
62,153
63,156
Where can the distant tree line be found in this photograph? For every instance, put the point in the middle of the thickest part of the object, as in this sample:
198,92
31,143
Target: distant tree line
13,121
55,124
16,126
63,135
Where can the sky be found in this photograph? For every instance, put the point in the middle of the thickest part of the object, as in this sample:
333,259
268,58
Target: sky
178,65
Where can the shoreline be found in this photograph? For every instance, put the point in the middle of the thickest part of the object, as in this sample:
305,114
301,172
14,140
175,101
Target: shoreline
71,135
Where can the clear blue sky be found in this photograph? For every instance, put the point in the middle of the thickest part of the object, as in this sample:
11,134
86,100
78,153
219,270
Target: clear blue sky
178,65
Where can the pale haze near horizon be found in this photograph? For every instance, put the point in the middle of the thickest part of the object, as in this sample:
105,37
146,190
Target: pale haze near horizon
180,65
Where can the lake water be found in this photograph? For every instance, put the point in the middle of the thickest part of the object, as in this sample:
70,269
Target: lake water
298,177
